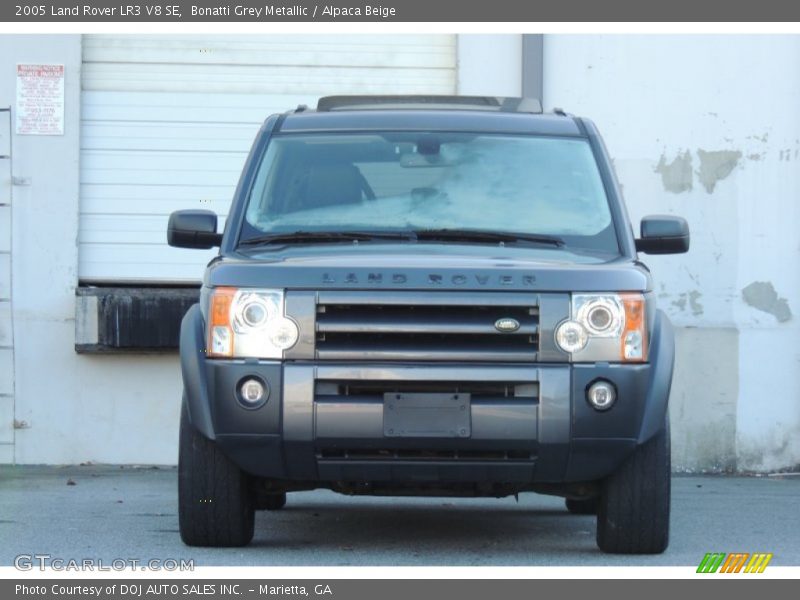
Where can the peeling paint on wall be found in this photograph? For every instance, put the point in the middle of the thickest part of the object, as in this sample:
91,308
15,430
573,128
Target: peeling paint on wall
676,176
715,166
680,303
762,296
694,303
764,137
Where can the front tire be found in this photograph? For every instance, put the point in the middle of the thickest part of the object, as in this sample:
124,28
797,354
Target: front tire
634,504
215,497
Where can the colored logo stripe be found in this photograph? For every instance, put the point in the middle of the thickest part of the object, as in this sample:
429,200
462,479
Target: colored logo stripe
758,563
711,562
734,562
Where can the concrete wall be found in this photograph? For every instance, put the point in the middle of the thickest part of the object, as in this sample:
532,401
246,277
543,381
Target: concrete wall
6,326
708,127
69,408
489,65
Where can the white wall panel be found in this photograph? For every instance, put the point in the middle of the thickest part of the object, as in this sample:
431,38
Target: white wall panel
6,371
5,133
253,79
415,51
6,428
5,228
167,122
5,180
5,276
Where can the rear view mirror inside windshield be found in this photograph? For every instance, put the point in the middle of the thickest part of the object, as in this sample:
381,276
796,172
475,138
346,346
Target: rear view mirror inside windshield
427,152
414,160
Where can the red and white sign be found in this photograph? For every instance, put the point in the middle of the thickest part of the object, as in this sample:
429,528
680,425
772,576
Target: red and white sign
40,100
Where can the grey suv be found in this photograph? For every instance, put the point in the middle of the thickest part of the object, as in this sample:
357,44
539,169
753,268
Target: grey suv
435,296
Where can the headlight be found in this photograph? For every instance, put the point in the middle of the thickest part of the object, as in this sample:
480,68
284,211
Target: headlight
571,336
249,323
603,316
605,327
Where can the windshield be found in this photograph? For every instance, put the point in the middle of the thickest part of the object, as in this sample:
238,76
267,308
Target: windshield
431,181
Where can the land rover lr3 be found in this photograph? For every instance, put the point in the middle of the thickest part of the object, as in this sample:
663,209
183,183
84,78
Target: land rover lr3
427,296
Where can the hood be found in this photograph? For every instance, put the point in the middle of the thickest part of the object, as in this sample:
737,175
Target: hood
426,267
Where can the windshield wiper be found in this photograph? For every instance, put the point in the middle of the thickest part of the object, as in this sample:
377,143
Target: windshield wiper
471,235
301,237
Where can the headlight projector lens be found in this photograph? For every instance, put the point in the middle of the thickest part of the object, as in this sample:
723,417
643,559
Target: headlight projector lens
254,314
600,318
602,315
601,395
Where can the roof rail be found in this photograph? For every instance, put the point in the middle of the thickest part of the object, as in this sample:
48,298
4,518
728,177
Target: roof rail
488,103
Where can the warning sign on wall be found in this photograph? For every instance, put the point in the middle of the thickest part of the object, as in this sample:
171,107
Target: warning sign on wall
40,100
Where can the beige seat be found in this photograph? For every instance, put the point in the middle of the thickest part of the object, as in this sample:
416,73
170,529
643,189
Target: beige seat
331,185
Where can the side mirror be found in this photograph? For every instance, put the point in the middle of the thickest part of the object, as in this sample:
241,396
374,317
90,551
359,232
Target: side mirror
663,234
193,229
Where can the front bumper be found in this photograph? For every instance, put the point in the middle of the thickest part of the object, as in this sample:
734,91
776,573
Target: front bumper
551,436
540,430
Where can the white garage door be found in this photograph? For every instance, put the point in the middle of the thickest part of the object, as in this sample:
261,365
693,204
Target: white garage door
167,122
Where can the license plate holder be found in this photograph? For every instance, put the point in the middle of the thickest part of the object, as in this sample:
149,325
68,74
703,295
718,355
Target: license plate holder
421,415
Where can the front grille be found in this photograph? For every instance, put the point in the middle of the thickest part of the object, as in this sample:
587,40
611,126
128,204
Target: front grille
373,391
426,326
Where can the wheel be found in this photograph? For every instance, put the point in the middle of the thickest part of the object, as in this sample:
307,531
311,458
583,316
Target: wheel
273,501
633,508
587,506
215,498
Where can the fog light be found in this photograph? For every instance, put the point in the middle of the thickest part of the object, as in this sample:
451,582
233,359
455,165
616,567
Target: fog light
252,392
601,395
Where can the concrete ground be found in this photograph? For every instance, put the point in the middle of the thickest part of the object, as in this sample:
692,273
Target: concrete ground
113,512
